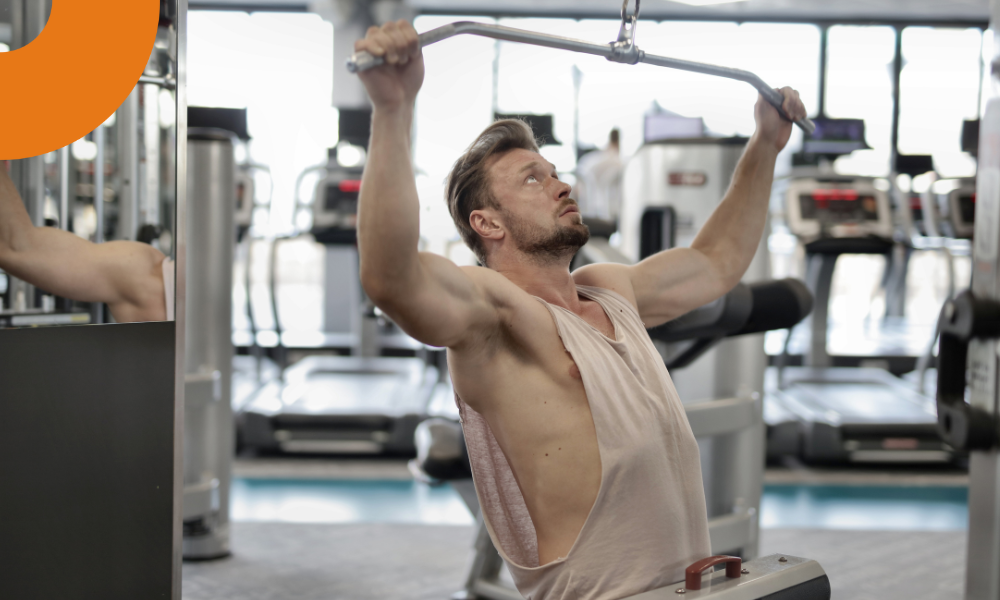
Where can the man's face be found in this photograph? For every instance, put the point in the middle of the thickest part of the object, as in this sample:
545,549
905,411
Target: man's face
540,217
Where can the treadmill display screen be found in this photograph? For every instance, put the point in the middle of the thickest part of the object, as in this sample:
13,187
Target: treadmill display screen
342,197
838,206
967,208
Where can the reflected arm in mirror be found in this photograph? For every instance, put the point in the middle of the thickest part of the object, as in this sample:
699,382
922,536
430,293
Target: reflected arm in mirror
127,276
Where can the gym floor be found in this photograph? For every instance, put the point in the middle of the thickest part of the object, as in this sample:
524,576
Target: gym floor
363,529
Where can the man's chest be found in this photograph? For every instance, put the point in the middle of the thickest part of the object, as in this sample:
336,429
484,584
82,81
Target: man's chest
594,315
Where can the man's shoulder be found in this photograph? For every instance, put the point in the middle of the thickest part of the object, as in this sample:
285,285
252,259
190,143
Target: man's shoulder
512,303
494,284
613,277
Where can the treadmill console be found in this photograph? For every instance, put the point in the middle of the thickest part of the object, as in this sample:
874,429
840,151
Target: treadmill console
336,202
837,208
962,210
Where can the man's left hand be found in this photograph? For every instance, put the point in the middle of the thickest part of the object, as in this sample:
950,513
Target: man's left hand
773,128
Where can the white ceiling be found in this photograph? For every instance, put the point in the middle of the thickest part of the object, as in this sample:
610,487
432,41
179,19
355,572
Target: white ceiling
856,10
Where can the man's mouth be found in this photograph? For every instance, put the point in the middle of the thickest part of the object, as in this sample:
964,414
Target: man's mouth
569,209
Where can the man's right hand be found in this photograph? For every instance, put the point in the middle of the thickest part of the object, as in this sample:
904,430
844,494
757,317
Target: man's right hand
395,84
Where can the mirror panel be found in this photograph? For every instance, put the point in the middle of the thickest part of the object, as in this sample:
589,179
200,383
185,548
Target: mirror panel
115,187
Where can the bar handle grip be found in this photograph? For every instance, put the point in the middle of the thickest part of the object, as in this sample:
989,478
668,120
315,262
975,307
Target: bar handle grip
692,575
775,98
362,61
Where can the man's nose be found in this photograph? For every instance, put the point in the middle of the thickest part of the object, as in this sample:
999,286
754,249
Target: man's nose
562,190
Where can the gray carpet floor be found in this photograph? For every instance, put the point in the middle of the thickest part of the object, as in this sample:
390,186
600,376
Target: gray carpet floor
877,565
273,561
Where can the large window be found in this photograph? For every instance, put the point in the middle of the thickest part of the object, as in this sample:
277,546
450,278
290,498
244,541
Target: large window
859,86
279,66
939,88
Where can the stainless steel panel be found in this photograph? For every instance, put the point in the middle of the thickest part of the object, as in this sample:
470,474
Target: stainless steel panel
128,167
180,285
211,188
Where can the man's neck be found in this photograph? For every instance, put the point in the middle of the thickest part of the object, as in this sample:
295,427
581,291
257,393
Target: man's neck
550,281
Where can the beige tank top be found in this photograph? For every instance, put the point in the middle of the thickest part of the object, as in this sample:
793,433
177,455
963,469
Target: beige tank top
649,521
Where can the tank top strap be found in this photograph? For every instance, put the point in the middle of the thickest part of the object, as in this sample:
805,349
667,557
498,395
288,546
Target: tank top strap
616,306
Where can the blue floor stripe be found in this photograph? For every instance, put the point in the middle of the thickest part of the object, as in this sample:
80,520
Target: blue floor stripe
875,508
346,501
865,507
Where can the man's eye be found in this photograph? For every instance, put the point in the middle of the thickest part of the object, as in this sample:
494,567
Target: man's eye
531,179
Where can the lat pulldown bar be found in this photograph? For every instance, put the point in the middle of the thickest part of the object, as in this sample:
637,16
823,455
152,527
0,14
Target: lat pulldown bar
624,51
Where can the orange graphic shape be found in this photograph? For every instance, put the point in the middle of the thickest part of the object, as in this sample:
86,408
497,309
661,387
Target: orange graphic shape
70,79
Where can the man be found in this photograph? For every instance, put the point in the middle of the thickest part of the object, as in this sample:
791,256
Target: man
135,280
584,463
599,182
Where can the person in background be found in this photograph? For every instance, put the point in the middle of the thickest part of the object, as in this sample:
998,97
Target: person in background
598,187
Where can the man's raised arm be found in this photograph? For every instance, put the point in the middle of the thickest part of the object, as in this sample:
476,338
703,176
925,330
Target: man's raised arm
673,282
427,295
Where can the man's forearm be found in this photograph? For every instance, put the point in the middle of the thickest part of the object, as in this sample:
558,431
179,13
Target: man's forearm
389,210
731,235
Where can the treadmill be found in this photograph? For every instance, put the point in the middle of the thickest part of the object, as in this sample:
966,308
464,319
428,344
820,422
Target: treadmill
960,202
844,414
956,215
356,401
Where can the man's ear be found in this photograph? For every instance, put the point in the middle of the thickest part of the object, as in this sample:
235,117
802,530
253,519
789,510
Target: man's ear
486,224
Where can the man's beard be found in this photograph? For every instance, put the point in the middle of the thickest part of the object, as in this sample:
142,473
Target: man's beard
546,246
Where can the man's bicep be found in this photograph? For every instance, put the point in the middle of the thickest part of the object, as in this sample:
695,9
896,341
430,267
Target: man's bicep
444,305
674,282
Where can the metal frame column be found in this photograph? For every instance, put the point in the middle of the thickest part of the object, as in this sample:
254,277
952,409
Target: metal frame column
180,284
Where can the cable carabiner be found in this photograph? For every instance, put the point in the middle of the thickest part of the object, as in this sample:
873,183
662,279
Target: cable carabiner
624,49
635,15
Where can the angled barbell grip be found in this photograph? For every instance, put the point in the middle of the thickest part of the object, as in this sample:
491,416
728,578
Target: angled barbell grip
776,100
362,61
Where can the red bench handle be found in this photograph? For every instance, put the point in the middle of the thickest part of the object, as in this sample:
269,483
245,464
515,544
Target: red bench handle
692,576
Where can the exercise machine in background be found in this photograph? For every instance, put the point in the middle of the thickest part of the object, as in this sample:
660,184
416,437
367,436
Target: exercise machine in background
671,187
834,413
362,402
953,202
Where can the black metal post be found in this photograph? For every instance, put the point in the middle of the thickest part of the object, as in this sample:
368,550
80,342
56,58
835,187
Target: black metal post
824,42
897,69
